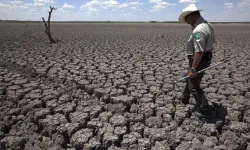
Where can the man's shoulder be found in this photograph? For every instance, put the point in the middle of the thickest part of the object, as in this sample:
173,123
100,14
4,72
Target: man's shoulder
199,27
200,31
202,27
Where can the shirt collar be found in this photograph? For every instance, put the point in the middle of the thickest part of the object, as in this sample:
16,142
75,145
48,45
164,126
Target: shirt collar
198,21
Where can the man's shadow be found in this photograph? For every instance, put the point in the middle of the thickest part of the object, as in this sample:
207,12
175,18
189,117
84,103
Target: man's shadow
216,114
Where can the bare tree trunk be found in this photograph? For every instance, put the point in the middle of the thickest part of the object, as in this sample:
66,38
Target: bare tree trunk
47,26
26,24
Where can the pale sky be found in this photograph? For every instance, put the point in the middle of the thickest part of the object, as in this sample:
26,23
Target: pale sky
122,10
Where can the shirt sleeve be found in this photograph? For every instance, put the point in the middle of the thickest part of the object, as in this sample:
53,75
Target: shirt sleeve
199,41
212,32
190,46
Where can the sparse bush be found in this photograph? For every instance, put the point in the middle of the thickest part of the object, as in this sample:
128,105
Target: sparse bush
152,21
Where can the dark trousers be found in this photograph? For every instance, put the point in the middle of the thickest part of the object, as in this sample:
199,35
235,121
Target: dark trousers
193,84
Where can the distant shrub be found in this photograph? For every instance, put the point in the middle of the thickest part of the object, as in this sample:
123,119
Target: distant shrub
152,21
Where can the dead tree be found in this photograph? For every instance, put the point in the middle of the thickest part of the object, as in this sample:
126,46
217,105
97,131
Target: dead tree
47,26
26,24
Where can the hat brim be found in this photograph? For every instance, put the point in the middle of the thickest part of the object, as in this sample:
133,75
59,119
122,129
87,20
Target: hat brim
184,14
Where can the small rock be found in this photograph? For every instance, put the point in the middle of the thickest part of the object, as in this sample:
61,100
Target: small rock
41,114
106,128
47,141
133,147
64,99
210,142
146,100
50,123
118,120
170,109
130,139
184,145
235,116
133,117
247,116
248,146
154,122
81,137
180,116
94,124
144,143
220,147
137,127
160,111
1,135
15,111
147,109
68,128
158,134
239,127
105,116
112,147
110,139
162,145
120,131
59,139
52,104
126,100
94,144
65,108
79,117
180,134
167,118
83,82
116,108
99,92
196,143
13,142
95,112
209,129
230,139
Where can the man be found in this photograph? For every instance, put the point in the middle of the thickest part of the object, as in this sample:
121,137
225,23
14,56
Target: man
199,51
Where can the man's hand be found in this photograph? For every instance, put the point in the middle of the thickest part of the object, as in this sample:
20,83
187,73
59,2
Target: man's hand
197,58
192,74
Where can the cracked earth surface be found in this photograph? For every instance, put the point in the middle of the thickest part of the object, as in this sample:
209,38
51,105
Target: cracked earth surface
109,86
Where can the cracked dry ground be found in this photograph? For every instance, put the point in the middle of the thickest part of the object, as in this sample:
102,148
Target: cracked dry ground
109,86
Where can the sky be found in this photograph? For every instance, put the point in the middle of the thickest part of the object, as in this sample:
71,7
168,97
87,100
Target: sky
123,10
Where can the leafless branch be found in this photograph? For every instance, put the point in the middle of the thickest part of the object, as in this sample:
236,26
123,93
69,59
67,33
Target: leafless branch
47,25
26,24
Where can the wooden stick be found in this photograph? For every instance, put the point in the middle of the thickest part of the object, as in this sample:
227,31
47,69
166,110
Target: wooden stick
203,70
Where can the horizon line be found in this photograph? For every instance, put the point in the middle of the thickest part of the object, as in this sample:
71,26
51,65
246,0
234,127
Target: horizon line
108,21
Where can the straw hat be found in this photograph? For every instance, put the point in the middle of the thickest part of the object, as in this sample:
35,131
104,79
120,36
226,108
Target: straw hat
186,11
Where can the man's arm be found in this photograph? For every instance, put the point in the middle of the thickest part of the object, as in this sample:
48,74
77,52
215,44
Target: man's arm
196,62
199,44
197,59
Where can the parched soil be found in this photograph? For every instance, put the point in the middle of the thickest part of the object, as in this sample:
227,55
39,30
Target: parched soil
110,86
